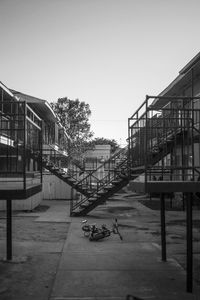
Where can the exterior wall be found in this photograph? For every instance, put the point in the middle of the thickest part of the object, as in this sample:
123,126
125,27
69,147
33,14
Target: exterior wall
100,151
54,138
95,158
187,91
24,204
55,189
197,154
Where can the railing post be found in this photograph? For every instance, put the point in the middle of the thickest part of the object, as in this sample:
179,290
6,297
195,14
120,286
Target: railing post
163,230
41,151
146,142
9,229
25,146
189,243
71,201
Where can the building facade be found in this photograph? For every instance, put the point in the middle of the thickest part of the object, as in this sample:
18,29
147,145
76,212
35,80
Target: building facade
164,139
29,132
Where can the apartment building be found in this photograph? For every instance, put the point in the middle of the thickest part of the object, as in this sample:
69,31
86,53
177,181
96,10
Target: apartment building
164,150
29,132
164,135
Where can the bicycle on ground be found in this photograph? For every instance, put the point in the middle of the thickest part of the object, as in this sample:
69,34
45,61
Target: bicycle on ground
97,233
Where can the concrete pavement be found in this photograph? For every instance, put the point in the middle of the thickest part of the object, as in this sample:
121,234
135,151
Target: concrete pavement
111,269
74,268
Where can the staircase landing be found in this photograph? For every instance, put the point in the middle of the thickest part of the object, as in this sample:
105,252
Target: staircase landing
165,186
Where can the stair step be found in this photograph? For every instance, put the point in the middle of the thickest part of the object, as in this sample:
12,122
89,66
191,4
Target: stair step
66,176
116,181
76,211
81,184
49,165
84,188
90,192
123,176
84,205
101,193
96,196
142,168
109,187
92,199
55,167
72,180
61,172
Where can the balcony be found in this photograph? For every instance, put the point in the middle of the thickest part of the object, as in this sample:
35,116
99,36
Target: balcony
20,150
164,139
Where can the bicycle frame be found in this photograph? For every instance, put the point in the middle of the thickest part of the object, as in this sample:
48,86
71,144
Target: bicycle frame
96,233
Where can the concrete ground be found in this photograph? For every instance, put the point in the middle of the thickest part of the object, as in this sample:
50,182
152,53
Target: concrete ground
52,260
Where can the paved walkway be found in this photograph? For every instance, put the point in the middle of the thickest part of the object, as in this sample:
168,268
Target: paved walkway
111,269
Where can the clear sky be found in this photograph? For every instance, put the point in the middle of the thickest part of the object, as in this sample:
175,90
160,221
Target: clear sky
108,53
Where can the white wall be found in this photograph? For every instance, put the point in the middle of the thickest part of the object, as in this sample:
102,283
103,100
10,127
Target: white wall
55,188
100,151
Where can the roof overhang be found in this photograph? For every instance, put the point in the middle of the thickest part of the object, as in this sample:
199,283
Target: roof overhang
40,106
183,79
7,91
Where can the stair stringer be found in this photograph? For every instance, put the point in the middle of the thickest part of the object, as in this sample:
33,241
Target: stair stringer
100,200
73,184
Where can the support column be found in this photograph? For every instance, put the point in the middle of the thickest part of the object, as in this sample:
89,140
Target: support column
71,200
9,228
163,230
189,198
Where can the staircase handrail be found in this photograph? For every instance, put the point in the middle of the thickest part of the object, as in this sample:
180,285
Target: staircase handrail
72,175
70,157
100,186
106,161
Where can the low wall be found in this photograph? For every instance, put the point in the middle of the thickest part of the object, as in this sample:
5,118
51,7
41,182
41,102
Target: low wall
53,188
56,189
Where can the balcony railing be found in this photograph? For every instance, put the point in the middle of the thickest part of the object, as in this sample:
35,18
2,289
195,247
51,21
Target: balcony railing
164,139
20,141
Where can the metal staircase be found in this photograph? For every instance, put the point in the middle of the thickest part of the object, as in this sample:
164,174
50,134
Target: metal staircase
106,180
95,186
152,140
69,171
163,139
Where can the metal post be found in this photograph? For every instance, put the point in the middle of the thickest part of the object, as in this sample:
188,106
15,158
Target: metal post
71,200
193,121
163,231
41,151
146,137
9,228
189,243
129,161
25,145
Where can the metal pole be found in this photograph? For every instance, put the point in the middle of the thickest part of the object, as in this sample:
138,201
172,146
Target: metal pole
146,142
129,162
189,243
41,151
25,145
9,228
163,230
193,121
71,201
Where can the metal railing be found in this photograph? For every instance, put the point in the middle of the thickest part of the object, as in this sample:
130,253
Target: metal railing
164,138
104,175
20,137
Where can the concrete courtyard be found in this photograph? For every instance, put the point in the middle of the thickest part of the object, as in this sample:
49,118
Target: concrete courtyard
52,260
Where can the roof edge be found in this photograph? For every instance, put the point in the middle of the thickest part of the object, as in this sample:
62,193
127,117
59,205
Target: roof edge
190,64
